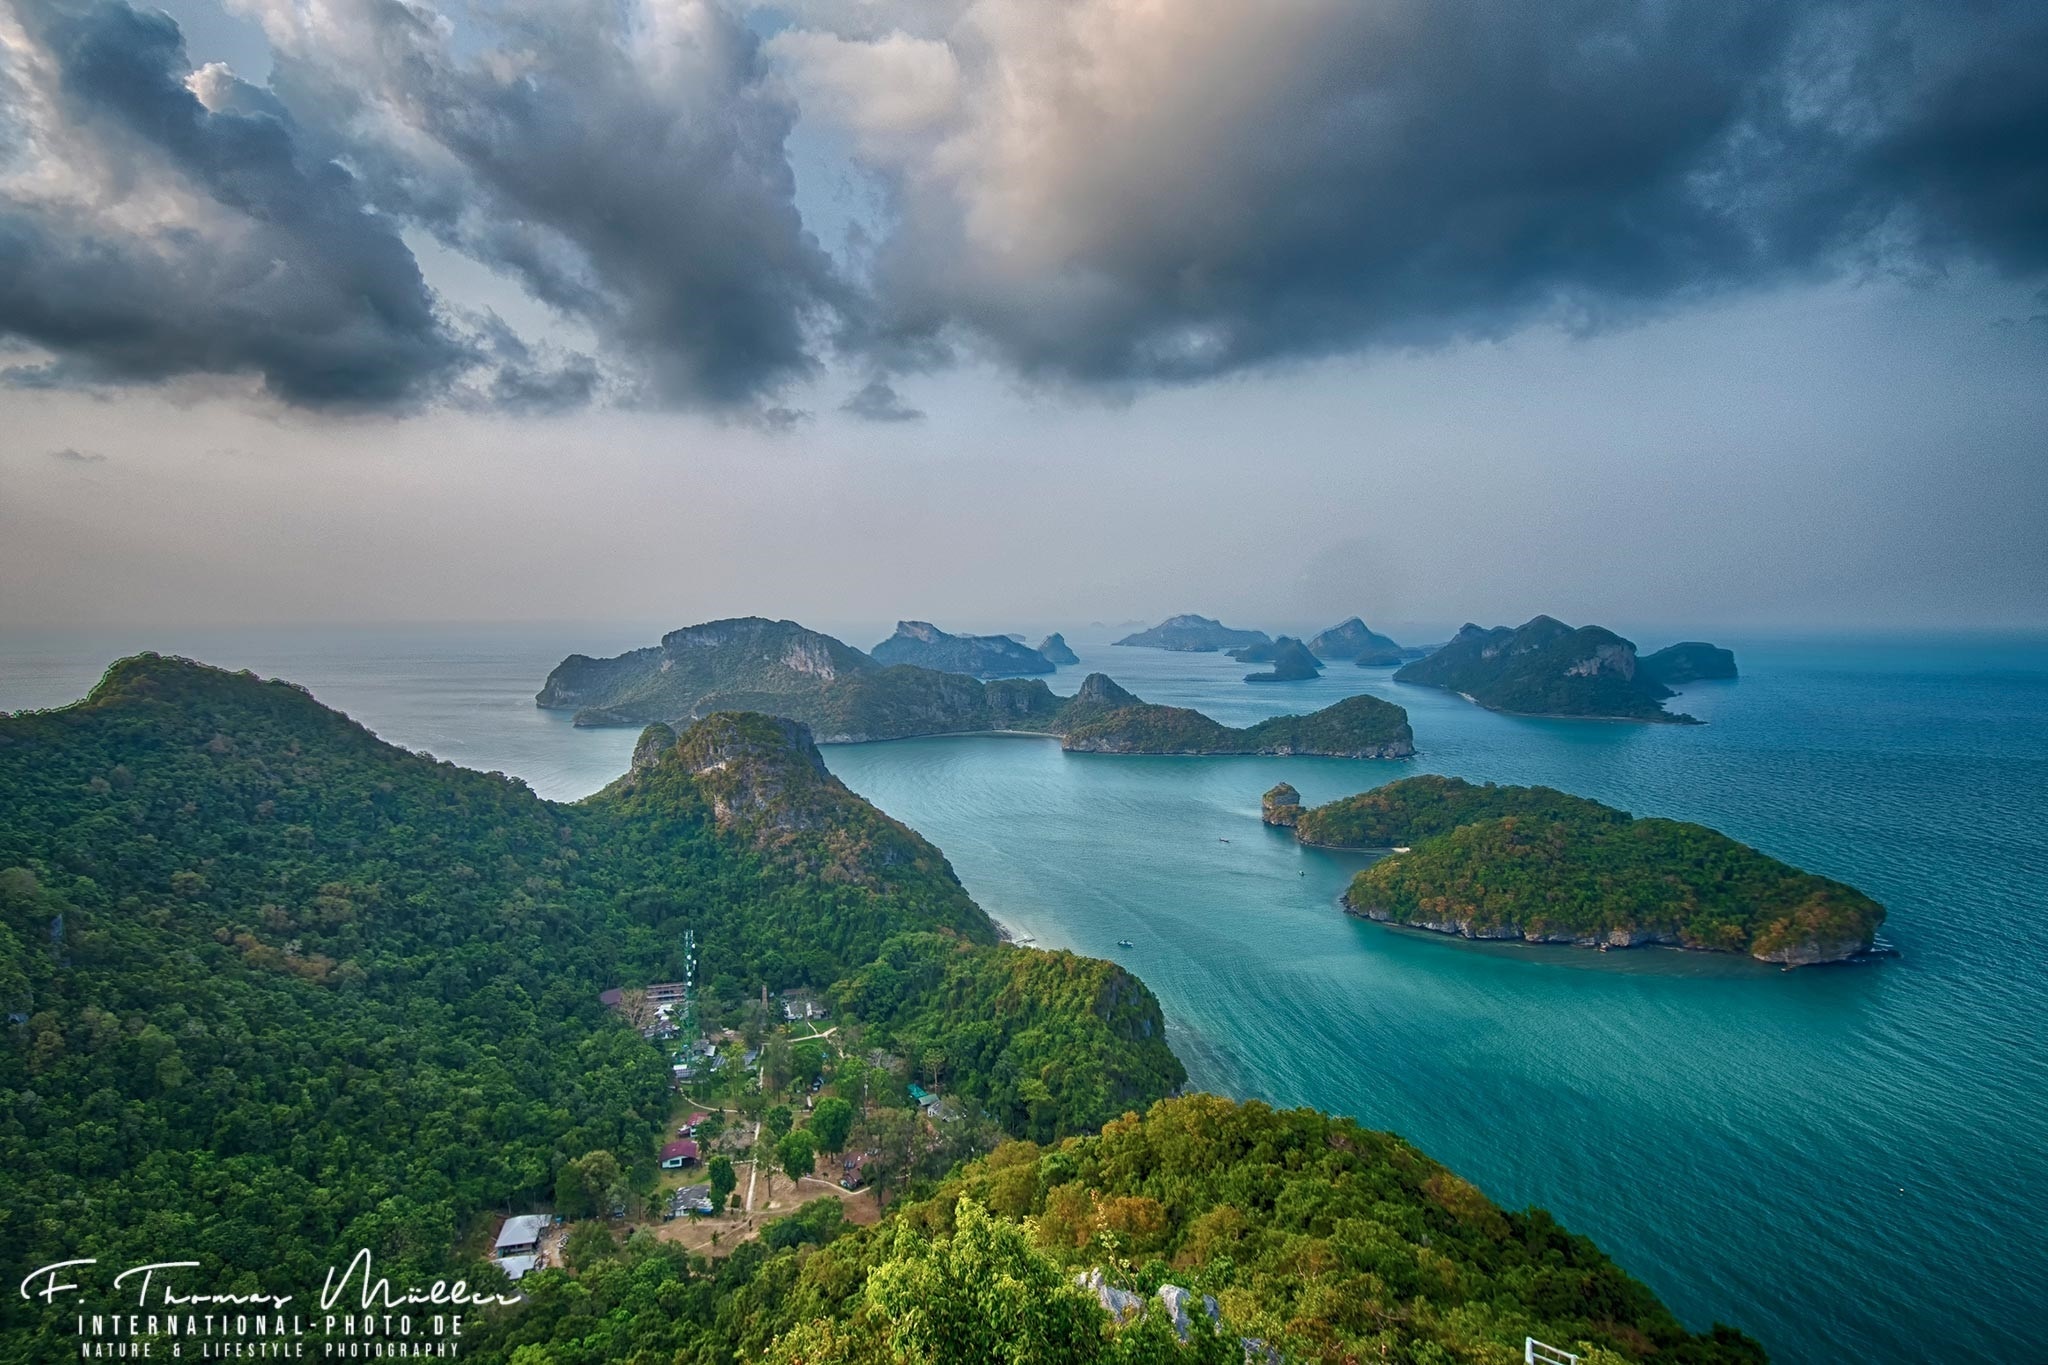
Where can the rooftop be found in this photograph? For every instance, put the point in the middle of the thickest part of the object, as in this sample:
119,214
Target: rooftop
522,1231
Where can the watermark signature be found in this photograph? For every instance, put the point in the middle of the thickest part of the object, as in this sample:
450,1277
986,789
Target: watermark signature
155,1311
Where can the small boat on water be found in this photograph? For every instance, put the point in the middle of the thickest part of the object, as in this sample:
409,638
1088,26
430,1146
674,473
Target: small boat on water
1125,943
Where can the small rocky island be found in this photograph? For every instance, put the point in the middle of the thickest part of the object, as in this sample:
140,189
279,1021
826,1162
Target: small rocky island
1281,806
1355,640
1547,668
779,668
1544,866
1191,634
1692,661
1291,660
1056,650
977,656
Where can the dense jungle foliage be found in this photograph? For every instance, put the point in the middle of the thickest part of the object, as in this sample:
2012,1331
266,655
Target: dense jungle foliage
1317,1239
276,989
1415,808
1537,862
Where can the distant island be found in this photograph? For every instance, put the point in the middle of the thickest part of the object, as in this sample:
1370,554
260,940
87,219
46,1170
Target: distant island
1360,643
1547,668
1544,866
1194,635
978,656
780,668
1692,661
1105,718
1291,660
1056,650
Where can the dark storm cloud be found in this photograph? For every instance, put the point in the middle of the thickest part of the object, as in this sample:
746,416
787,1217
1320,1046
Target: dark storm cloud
623,163
258,261
878,401
1105,192
1093,192
1964,139
72,455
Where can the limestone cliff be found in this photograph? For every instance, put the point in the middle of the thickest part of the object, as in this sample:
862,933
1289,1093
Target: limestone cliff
1281,806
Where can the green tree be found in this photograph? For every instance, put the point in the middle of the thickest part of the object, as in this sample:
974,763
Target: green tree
893,1135
587,1243
797,1154
584,1187
778,1121
981,1294
754,1029
723,1181
832,1123
778,1065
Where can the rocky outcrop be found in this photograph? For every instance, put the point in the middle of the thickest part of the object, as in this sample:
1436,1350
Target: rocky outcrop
759,769
1281,806
654,741
1103,690
1814,952
1056,650
978,656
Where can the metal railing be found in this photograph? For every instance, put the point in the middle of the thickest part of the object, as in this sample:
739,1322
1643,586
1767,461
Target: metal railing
1535,1352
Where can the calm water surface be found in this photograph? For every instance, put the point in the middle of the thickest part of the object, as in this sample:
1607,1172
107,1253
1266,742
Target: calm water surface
1850,1163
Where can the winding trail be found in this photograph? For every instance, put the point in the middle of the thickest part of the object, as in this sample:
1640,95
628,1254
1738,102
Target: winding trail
753,1167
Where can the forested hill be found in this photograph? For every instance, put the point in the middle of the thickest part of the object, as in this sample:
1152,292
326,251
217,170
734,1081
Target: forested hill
1316,1240
276,988
1543,865
1544,667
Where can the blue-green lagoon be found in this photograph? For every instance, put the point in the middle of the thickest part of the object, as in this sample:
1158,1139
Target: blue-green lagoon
1851,1163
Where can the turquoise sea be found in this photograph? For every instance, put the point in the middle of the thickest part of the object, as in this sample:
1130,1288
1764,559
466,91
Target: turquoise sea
1851,1163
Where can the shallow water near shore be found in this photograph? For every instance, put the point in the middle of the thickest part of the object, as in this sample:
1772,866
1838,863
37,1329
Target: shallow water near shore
1847,1162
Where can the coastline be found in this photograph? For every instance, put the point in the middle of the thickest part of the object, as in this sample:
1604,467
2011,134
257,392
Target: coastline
1616,940
1668,718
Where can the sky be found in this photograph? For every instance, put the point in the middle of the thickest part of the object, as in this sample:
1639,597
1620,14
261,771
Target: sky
1024,314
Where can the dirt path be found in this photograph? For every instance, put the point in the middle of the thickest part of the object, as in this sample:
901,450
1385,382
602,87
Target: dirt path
718,1236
